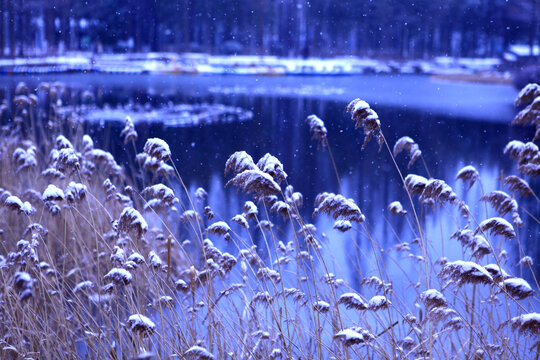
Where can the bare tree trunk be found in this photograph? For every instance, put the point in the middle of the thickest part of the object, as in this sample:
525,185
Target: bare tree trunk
11,29
187,26
20,31
154,27
532,27
2,30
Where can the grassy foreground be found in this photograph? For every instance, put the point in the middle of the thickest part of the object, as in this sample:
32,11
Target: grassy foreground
93,267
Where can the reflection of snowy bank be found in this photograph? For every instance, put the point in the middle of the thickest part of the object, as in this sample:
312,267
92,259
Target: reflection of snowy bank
205,64
179,115
300,90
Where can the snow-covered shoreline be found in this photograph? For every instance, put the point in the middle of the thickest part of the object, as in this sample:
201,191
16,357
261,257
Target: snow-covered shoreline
204,64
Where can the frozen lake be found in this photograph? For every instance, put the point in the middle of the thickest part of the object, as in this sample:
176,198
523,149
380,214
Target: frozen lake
486,102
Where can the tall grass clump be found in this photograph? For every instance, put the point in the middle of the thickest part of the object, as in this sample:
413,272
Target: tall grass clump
103,262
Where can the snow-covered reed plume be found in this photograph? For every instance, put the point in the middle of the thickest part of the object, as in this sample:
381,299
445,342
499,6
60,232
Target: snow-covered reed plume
52,193
526,261
198,353
321,306
218,228
163,196
475,242
119,276
190,216
273,167
367,118
517,185
140,324
527,155
281,208
468,174
75,192
338,207
241,220
415,184
25,159
462,272
530,96
527,94
396,208
517,288
83,286
256,181
130,219
527,323
342,225
318,130
354,336
157,148
14,203
250,210
158,167
432,298
128,132
293,198
378,302
23,283
67,160
496,226
496,272
200,194
88,144
352,301
239,162
503,204
155,261
98,156
407,144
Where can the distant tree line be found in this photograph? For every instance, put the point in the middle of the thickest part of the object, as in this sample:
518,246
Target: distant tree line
384,28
